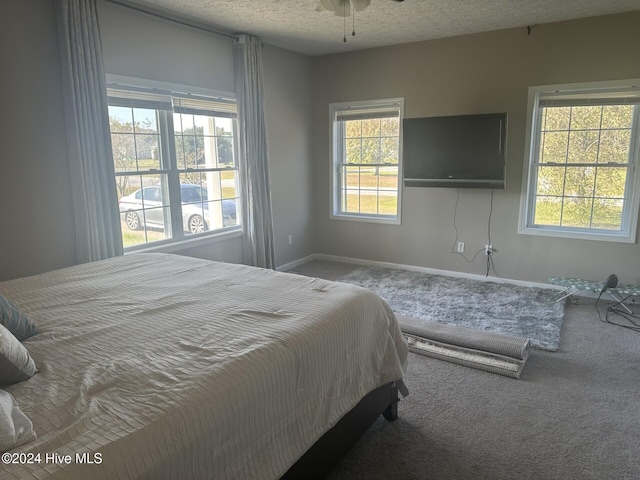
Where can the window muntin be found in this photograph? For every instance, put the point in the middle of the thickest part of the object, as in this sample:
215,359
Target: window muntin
366,160
175,164
583,163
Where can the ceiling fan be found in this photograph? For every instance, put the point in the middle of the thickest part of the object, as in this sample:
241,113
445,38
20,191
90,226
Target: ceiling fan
342,8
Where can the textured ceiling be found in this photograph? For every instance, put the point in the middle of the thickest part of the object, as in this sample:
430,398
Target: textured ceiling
300,25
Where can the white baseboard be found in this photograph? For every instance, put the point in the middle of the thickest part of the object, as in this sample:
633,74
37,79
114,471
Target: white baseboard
414,268
291,265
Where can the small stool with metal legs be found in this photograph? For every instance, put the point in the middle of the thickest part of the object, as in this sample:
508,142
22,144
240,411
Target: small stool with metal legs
620,293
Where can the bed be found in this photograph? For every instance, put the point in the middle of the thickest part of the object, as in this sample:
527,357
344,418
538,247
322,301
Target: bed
163,366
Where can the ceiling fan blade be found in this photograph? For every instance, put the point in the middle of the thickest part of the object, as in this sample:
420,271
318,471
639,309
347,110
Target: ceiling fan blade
328,5
360,5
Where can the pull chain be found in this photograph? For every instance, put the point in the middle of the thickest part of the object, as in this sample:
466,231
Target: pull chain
344,18
353,22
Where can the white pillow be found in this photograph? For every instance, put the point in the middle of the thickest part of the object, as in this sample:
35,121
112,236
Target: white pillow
16,364
15,427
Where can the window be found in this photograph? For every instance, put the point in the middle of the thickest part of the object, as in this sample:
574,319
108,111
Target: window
175,163
582,179
366,160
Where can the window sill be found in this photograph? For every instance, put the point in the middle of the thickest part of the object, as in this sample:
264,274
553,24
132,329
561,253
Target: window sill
366,219
171,246
617,237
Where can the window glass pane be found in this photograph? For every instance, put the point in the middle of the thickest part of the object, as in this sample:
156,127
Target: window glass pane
351,201
607,214
230,214
367,186
556,118
579,181
186,124
181,160
202,167
595,196
390,150
353,128
144,210
550,181
388,202
134,139
192,149
147,151
611,182
586,118
220,213
371,127
212,183
388,180
204,142
192,187
353,150
121,119
548,210
124,151
195,218
369,177
177,123
614,146
390,127
229,183
368,202
203,124
351,177
127,184
553,147
225,151
583,146
617,116
371,150
145,120
576,212
224,126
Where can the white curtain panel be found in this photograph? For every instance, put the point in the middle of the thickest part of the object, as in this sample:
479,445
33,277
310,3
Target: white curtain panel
257,219
95,202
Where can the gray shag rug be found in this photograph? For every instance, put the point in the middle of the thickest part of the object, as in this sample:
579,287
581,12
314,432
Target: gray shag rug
526,312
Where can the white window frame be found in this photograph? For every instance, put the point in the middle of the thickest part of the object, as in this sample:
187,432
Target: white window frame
174,222
631,202
337,150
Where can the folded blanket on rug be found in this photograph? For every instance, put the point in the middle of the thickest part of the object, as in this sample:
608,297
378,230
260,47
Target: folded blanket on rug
492,352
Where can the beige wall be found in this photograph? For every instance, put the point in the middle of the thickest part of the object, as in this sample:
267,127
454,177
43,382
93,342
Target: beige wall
36,218
481,73
35,191
485,72
168,52
136,44
287,91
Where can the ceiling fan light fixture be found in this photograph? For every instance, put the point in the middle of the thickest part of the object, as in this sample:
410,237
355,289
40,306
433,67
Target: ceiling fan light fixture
342,8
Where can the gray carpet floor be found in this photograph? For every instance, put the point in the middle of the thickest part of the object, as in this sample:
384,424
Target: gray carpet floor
573,415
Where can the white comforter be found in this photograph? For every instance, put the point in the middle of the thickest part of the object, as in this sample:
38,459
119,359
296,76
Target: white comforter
162,366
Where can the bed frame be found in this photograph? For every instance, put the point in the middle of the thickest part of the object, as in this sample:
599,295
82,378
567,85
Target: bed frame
333,445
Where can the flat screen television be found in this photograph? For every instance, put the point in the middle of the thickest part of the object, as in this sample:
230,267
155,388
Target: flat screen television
460,151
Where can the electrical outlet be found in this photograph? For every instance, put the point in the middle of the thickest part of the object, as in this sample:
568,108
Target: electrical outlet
488,249
290,239
460,247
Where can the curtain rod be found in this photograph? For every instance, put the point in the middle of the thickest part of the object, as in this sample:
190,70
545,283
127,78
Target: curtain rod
172,18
